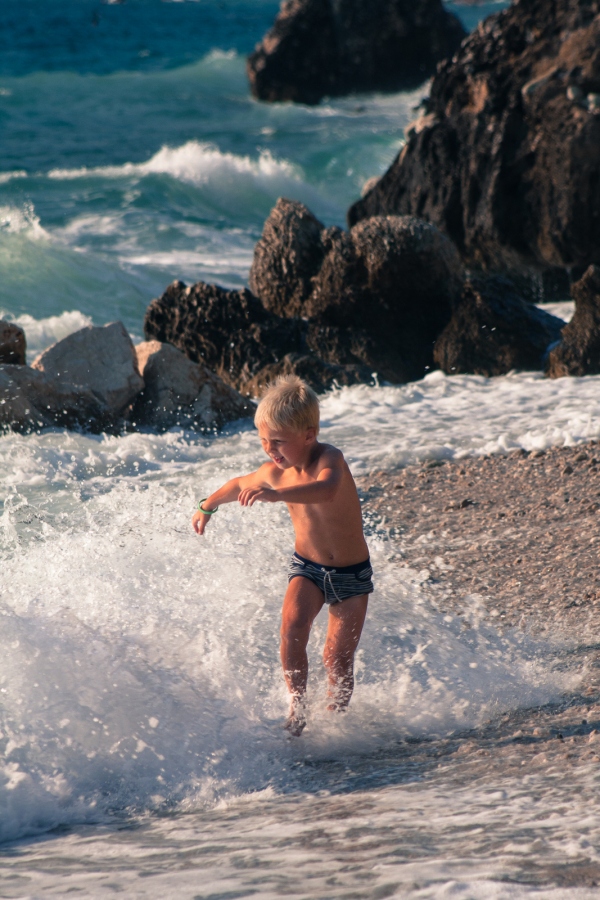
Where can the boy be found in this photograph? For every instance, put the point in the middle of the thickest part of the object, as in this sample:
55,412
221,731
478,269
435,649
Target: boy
331,559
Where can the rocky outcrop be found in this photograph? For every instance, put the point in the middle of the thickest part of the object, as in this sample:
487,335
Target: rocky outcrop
334,307
390,283
12,344
578,353
506,158
179,392
98,359
30,400
331,47
492,331
232,333
287,257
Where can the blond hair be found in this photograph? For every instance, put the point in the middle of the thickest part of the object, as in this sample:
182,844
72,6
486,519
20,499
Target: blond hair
288,403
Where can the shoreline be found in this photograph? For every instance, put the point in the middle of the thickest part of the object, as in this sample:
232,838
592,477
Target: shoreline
517,536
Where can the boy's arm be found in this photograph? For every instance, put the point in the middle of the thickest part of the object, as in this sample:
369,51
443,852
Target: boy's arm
322,490
229,493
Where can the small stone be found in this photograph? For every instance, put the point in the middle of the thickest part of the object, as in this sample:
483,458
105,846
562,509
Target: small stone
568,470
581,457
594,735
466,502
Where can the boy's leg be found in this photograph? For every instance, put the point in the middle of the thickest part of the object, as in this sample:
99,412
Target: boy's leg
301,605
346,620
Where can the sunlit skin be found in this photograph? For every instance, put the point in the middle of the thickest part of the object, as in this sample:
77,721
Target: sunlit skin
314,480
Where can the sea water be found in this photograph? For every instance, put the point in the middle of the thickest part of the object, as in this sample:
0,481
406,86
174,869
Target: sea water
141,701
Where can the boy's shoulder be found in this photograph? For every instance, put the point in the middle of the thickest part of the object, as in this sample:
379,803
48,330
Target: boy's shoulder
330,455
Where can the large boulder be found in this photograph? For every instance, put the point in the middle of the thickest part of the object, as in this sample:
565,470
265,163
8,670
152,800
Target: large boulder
232,333
578,353
180,392
391,282
12,344
332,47
506,158
334,307
493,331
286,258
98,359
30,400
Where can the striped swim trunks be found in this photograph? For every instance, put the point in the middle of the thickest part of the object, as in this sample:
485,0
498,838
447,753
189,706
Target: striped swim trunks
338,583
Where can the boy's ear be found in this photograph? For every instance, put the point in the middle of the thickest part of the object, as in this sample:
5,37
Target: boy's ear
311,434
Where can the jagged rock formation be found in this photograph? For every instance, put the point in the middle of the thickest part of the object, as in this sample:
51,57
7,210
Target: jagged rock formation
12,344
331,47
506,160
233,334
392,280
179,392
578,353
493,331
333,306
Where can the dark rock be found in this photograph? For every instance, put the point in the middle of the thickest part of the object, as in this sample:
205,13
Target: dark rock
493,331
332,47
506,160
578,353
378,295
233,334
179,392
31,400
320,375
12,344
395,278
287,256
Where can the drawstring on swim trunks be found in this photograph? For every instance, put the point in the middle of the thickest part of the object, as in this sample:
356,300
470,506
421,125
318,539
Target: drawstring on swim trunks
326,576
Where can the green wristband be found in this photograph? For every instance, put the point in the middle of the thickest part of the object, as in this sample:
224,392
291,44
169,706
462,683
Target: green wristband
207,512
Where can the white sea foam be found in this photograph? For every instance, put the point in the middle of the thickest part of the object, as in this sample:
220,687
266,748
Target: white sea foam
139,663
227,180
41,333
444,417
563,309
5,177
21,219
195,163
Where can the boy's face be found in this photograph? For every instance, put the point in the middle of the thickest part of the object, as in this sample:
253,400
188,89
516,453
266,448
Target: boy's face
285,446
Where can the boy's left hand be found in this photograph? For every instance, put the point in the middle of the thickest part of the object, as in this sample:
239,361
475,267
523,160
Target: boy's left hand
250,495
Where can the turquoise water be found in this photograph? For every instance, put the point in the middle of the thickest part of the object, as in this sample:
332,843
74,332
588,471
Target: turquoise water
132,153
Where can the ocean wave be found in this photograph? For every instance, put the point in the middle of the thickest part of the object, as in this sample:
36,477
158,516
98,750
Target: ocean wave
194,162
238,184
21,220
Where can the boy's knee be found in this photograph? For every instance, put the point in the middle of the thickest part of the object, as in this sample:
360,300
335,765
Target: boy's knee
294,631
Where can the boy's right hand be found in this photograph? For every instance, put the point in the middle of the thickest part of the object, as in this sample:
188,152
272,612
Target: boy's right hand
199,521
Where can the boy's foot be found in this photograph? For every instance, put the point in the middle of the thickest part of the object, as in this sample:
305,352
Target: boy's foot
296,721
337,707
